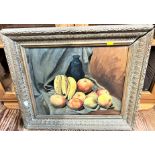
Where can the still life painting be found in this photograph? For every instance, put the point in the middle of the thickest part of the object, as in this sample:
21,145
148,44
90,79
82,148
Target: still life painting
77,80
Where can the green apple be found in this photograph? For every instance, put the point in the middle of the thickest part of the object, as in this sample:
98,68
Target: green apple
90,102
93,94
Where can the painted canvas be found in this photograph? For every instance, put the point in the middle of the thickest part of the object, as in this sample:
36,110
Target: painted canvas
77,80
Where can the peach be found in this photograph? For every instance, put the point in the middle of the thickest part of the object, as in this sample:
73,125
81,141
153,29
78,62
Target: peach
75,104
85,85
105,100
80,95
58,101
102,91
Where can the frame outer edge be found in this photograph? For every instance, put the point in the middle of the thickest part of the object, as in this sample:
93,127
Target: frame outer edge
12,50
141,49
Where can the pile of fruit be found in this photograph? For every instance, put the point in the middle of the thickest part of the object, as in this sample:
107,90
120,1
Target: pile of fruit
78,95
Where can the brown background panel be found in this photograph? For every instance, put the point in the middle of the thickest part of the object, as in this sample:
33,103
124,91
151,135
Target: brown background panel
108,66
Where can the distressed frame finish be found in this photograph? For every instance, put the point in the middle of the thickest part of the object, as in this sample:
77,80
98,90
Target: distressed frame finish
137,37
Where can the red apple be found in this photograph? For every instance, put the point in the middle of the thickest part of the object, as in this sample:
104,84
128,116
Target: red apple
102,91
85,85
58,101
75,104
80,95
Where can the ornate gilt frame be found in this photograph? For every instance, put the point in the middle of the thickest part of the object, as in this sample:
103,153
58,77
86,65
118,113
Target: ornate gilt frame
136,37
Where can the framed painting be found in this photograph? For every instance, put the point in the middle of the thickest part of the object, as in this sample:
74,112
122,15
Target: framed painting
78,78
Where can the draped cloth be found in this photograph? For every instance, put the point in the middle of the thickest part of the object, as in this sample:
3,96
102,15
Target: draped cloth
44,64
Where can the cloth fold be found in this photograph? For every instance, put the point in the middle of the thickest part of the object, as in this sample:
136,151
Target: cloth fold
44,65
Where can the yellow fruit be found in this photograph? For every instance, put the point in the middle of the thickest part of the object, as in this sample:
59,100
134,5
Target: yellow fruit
105,100
57,84
90,102
68,89
58,101
64,84
80,95
93,94
72,87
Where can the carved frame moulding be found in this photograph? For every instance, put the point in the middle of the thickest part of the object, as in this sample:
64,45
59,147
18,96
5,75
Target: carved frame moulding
138,38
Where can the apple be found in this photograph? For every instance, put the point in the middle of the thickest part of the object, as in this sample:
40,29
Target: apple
75,104
93,94
58,101
102,91
105,100
90,102
85,85
80,95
